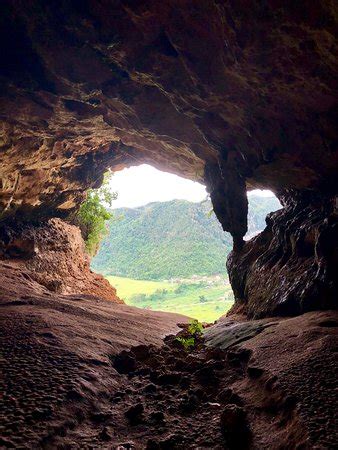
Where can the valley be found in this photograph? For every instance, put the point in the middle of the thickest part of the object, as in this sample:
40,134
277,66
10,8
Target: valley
174,239
171,256
203,298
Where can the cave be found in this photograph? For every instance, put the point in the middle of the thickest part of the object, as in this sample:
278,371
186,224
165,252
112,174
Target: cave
237,95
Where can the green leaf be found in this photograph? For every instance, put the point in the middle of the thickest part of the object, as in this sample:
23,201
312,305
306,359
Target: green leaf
186,342
195,327
93,214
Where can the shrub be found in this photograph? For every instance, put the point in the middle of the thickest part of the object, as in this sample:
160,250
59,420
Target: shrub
139,298
186,342
93,214
202,299
195,328
181,288
194,331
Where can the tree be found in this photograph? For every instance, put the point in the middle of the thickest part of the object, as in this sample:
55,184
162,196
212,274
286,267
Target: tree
202,299
93,214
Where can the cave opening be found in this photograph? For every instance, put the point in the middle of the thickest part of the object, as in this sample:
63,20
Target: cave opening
234,95
164,248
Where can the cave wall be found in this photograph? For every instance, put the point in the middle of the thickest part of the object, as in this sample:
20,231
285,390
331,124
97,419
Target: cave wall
235,94
51,257
292,266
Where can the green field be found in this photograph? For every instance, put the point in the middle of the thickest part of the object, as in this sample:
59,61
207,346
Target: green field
127,287
202,300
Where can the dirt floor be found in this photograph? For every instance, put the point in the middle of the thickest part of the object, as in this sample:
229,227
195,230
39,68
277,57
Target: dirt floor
80,372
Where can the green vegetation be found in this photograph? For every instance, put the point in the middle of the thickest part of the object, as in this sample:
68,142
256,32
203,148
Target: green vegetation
187,342
128,287
162,241
93,214
193,332
176,239
180,242
182,296
195,328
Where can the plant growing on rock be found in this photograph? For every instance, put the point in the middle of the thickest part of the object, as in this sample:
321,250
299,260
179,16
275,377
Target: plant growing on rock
192,334
195,328
94,213
187,342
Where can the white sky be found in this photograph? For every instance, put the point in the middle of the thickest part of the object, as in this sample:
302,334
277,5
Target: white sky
139,185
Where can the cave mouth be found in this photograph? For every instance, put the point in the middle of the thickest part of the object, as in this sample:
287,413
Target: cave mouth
234,99
165,249
231,96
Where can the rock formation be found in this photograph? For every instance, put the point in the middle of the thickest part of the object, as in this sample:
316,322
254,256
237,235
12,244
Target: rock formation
52,256
230,94
291,267
233,93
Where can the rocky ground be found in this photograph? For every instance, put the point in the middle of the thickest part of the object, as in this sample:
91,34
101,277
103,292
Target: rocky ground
80,372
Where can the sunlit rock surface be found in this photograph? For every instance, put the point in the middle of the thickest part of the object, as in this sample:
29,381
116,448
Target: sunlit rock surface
52,260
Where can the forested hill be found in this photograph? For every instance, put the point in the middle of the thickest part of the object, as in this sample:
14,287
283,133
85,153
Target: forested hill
172,239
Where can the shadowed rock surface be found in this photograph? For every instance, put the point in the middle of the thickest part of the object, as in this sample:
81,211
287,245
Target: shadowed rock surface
233,94
226,94
292,266
68,379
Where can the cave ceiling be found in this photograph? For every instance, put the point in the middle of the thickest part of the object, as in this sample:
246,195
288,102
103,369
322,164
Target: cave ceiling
234,94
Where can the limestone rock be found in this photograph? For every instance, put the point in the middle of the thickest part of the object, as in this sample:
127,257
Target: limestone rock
53,255
233,96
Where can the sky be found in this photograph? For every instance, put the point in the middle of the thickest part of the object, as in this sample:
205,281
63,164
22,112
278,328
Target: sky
139,185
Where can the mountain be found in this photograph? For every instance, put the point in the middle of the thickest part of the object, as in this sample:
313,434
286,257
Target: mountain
175,239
